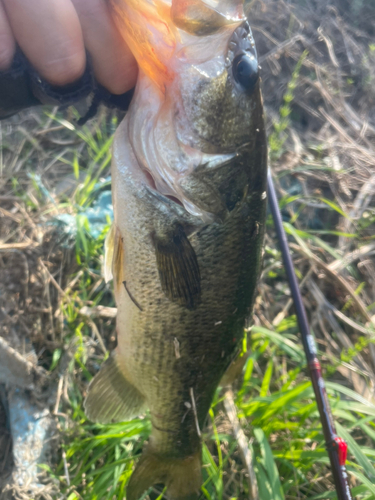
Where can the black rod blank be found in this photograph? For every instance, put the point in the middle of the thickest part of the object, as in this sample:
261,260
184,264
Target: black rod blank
336,446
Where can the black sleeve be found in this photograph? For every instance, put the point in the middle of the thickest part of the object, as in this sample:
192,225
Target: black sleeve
22,87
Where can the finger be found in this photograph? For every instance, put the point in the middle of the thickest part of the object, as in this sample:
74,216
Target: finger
114,65
7,42
50,35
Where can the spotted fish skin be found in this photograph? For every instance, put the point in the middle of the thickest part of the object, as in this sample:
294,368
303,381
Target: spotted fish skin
189,191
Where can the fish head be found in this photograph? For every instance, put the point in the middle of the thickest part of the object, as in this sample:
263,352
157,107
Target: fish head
219,112
197,106
220,93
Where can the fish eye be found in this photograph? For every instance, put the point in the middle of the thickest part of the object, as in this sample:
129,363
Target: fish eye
245,71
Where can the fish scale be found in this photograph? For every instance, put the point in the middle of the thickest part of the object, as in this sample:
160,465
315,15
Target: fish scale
188,181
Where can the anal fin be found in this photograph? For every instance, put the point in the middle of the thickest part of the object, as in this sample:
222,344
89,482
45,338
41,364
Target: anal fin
178,267
111,398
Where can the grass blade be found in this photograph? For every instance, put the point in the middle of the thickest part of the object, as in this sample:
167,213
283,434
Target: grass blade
270,465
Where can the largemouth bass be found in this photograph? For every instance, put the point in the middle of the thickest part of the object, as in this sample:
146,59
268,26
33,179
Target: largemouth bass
189,191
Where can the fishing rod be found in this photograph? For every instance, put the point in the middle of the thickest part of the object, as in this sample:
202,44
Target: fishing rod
336,447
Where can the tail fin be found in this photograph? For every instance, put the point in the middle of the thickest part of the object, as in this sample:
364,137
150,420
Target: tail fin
182,477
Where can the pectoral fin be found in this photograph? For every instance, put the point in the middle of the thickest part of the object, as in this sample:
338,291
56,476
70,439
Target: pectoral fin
111,398
178,267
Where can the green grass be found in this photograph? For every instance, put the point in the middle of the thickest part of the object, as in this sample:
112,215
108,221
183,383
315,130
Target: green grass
274,399
281,422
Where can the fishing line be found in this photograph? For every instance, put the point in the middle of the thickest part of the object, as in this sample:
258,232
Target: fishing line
336,446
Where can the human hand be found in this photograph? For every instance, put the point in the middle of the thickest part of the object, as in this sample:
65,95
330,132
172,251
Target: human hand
54,34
